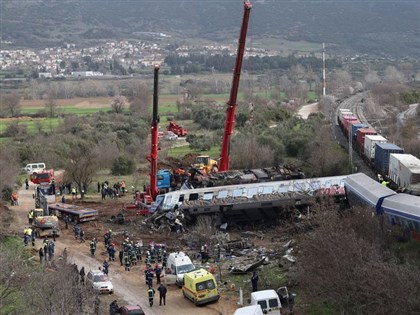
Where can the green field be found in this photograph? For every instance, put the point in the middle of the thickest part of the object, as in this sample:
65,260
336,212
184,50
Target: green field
34,125
65,110
180,152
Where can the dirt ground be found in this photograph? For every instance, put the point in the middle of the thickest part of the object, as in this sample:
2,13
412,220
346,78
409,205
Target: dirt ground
129,286
306,110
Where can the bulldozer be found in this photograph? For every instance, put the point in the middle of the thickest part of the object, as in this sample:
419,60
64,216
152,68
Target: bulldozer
204,162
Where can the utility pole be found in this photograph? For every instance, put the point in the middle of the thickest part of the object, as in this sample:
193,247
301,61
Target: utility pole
323,69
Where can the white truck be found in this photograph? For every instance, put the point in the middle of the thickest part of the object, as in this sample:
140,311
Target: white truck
268,300
249,310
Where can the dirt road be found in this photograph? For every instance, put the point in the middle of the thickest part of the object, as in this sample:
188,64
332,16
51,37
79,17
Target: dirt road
306,110
129,286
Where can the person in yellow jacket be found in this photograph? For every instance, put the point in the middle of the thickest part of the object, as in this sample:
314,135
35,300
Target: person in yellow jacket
30,216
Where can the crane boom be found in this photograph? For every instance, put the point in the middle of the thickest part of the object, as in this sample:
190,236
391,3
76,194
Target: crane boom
230,116
153,156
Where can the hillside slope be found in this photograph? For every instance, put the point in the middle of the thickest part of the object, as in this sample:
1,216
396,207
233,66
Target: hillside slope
370,26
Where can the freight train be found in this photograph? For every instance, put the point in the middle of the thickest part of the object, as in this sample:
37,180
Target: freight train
388,160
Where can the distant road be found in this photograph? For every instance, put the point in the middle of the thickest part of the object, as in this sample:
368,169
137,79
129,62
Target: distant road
306,110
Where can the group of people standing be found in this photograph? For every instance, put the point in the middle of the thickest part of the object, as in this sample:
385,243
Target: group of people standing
111,192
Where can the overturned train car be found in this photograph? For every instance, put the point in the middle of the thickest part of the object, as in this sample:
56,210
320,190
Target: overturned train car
248,202
401,209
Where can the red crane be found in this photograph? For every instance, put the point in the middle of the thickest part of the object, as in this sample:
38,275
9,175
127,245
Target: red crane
230,116
152,190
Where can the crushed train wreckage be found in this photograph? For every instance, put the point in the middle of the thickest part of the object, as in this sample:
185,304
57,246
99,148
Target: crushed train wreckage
266,201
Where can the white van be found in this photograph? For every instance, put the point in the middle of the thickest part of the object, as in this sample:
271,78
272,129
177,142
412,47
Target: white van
249,310
178,264
268,300
34,167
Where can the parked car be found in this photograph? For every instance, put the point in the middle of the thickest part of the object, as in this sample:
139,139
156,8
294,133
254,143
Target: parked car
131,310
100,282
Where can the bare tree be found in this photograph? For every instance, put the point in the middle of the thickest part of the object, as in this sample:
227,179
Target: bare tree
14,273
140,99
346,262
81,162
371,78
247,152
326,157
11,102
393,75
118,104
51,106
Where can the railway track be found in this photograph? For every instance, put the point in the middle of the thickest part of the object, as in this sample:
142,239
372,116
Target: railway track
355,104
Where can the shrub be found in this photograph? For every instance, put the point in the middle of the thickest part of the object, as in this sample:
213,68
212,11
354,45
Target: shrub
123,165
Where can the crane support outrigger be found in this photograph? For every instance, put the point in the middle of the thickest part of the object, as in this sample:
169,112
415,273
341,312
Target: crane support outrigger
153,156
230,116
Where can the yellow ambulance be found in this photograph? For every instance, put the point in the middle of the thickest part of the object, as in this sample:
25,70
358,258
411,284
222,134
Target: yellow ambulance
200,287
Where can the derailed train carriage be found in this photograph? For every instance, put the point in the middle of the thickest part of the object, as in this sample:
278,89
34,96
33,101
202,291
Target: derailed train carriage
401,209
249,202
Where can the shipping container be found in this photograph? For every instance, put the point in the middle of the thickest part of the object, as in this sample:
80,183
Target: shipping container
356,126
347,119
404,169
369,145
342,112
382,152
360,137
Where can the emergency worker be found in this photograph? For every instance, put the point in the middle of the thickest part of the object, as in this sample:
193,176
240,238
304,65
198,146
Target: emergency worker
93,246
151,295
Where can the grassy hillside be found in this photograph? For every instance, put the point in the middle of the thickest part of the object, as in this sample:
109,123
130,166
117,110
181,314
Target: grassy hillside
371,26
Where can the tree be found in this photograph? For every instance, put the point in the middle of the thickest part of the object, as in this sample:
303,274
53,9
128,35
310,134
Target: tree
51,106
326,158
140,98
248,152
393,75
9,165
118,104
123,165
14,273
345,261
81,161
12,104
371,78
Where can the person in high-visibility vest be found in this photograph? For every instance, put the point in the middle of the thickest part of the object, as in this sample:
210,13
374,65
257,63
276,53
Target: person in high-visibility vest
151,294
73,193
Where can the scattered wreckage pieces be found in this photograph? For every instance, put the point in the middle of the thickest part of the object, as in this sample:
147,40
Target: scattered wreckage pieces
245,266
257,234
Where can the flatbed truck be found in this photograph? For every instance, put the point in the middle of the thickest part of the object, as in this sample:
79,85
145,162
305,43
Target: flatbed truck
75,213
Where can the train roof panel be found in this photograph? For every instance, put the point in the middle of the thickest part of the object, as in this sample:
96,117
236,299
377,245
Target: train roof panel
366,188
376,137
403,205
388,146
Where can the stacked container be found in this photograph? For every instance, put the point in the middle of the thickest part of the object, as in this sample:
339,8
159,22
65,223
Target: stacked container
355,127
360,137
341,113
404,169
347,119
382,152
369,145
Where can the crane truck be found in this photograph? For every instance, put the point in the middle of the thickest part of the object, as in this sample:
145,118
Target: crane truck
230,117
145,198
